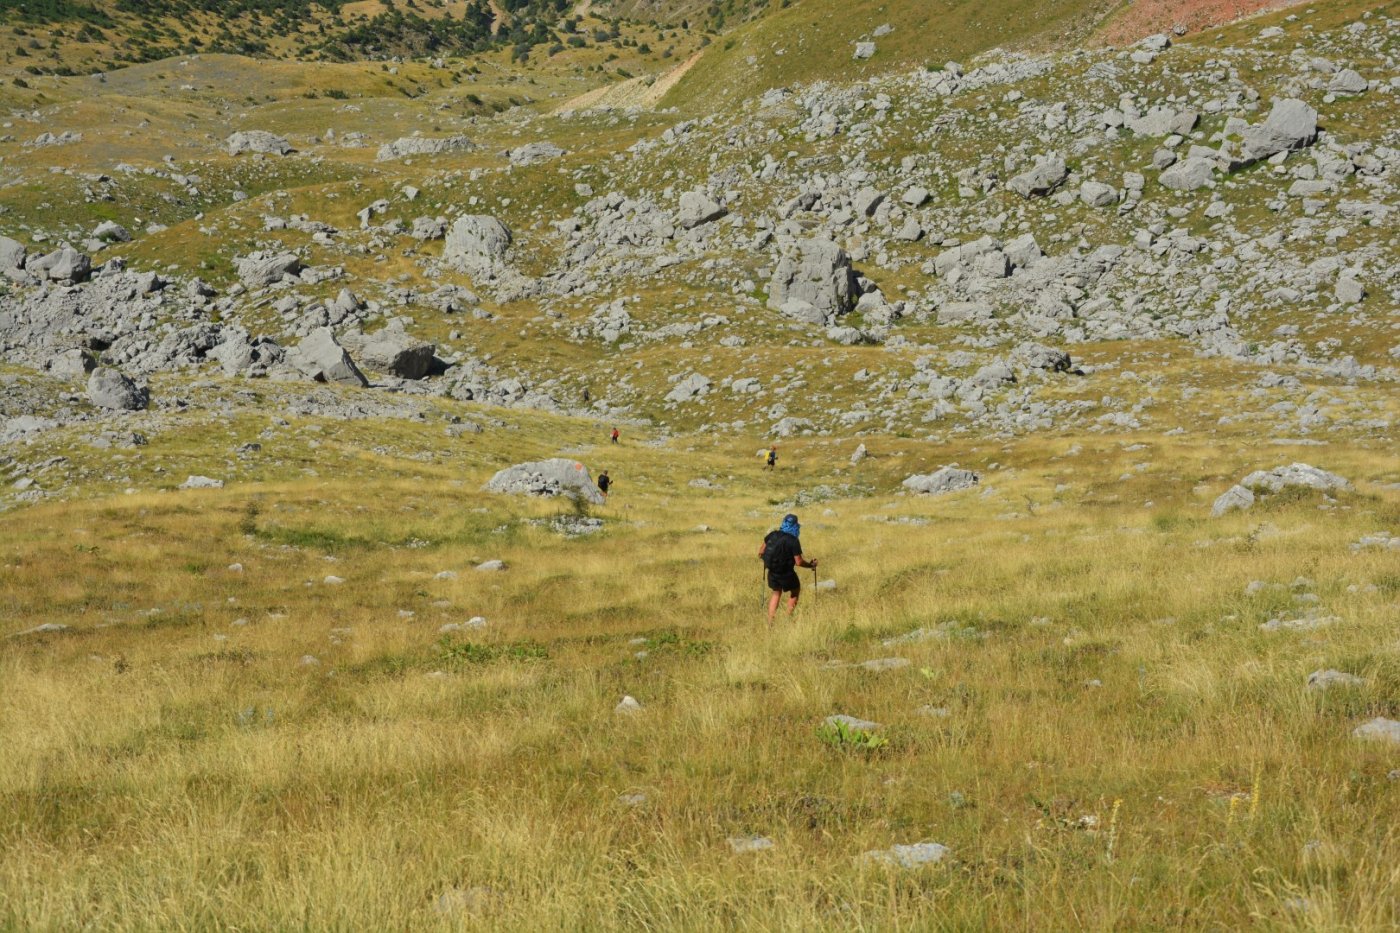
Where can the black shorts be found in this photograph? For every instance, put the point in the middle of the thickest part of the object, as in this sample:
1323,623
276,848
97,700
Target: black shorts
784,582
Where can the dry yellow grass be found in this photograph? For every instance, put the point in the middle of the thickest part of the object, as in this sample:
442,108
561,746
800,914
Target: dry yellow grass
1123,747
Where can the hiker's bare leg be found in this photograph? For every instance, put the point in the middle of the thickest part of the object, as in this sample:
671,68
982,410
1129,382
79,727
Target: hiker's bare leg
792,604
773,604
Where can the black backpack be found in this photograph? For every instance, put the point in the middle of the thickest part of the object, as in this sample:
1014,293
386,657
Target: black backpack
779,553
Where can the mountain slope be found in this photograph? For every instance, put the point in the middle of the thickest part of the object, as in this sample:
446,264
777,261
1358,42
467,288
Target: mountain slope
67,37
1024,331
816,40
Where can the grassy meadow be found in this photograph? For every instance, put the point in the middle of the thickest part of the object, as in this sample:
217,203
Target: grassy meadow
1095,725
294,702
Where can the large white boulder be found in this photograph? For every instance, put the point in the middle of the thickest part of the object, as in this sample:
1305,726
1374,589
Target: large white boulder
108,388
554,477
697,209
321,357
1045,177
1291,124
258,141
477,244
423,145
944,479
1295,474
1188,175
815,284
393,350
260,269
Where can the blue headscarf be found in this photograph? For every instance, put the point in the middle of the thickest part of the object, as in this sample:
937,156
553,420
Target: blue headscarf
790,526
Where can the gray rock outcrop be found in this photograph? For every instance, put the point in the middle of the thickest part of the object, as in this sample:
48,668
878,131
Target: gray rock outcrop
110,389
321,357
696,209
692,386
1188,175
423,145
109,231
909,856
261,269
1267,482
1379,729
1326,680
943,480
1348,81
1039,356
12,254
477,244
394,351
1097,194
1236,498
1295,474
554,477
1291,124
428,228
240,355
64,265
533,153
854,723
258,141
815,285
72,363
1163,121
1045,177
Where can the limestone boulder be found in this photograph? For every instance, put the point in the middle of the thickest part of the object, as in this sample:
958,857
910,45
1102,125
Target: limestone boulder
394,351
64,265
406,146
260,269
321,357
1045,177
943,480
110,389
697,209
477,244
1236,498
1188,175
815,284
258,141
1291,124
554,477
1294,475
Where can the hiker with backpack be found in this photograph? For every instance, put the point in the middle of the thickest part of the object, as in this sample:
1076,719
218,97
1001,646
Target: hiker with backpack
771,461
782,555
604,483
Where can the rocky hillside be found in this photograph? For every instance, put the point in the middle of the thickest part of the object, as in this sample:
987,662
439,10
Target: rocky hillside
1172,238
1079,363
67,37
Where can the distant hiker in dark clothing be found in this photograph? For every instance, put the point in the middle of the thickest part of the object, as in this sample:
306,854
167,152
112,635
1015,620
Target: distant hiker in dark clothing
772,459
782,555
604,483
614,435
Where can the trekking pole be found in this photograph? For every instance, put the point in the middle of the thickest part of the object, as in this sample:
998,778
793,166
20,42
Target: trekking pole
814,585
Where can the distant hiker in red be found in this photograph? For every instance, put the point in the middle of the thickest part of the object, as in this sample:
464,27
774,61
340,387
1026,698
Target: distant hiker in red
614,435
782,555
